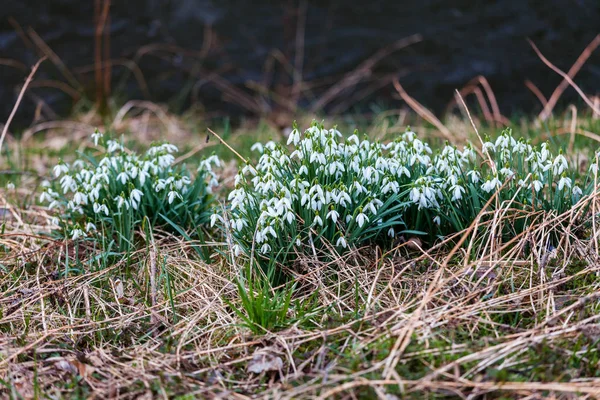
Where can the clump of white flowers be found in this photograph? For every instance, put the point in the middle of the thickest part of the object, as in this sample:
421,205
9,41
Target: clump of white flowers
122,188
326,191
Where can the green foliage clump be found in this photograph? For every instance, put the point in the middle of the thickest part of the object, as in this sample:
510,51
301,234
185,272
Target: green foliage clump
121,189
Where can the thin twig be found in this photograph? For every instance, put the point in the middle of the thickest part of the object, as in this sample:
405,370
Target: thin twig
565,76
228,146
583,57
16,106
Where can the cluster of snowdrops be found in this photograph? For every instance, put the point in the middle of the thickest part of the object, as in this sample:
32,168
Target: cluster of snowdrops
321,192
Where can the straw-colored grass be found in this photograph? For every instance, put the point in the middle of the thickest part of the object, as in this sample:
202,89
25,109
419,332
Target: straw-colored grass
465,318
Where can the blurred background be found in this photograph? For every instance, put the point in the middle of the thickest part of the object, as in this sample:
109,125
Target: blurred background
273,60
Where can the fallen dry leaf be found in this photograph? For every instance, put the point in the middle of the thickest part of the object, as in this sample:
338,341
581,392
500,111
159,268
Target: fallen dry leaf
264,360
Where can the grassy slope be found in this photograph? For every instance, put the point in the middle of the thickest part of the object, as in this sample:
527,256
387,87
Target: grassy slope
161,322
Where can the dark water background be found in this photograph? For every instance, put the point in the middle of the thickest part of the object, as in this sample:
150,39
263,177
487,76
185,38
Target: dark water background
168,40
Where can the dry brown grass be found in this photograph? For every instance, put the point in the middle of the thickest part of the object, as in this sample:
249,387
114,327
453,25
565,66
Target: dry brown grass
411,320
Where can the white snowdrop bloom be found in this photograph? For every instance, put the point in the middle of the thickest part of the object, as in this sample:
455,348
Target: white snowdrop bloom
294,137
333,215
45,197
491,185
317,220
289,216
95,193
537,185
121,201
391,186
344,199
487,146
135,197
80,198
238,224
320,157
341,242
391,232
564,181
371,207
507,172
77,233
113,146
237,250
305,199
544,152
415,195
90,227
173,195
457,192
358,188
269,230
265,248
577,191
409,136
10,186
257,147
165,160
96,136
60,168
160,185
559,165
100,208
594,168
54,221
67,183
123,177
437,220
361,218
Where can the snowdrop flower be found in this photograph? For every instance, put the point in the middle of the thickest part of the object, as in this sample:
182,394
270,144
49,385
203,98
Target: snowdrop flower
294,137
437,220
121,202
90,227
537,185
96,136
474,175
559,165
10,186
415,195
361,218
113,146
99,208
318,220
77,233
173,195
577,191
491,185
457,192
135,197
341,242
507,172
487,146
265,248
80,198
257,147
333,215
60,168
214,218
123,177
391,232
564,181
